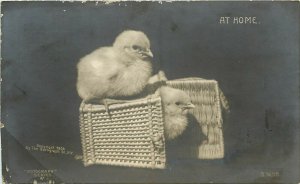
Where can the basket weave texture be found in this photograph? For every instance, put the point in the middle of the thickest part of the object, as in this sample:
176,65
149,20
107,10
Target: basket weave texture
129,134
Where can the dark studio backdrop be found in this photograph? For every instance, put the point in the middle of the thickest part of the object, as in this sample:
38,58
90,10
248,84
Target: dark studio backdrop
256,65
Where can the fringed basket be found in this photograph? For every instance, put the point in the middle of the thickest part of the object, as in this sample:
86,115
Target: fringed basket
207,98
128,134
132,134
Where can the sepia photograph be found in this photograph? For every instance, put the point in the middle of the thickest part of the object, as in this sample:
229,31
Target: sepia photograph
150,92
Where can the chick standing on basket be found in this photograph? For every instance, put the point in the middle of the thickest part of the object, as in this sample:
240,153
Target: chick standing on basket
176,104
124,70
114,72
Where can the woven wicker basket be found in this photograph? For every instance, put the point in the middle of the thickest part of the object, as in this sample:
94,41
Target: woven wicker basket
130,135
207,98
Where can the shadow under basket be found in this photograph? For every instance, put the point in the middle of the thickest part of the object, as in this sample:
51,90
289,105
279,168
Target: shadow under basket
132,133
127,134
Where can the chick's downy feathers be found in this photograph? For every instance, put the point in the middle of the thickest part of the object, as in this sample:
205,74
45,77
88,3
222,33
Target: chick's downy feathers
117,71
176,104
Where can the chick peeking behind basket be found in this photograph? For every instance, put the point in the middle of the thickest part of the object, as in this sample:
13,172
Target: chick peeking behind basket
176,105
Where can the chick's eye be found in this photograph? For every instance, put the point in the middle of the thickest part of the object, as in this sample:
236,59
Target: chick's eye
177,103
135,47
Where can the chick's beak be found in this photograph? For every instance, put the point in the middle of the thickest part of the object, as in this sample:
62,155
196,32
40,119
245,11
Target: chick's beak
189,106
149,53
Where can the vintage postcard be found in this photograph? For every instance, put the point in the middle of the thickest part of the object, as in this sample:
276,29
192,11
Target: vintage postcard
150,92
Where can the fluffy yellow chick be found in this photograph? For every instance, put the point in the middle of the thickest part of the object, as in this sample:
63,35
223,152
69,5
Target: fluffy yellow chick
118,71
176,105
